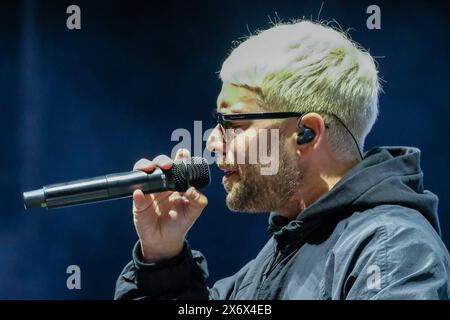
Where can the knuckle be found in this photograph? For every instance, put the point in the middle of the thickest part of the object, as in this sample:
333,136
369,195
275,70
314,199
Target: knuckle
174,196
162,159
183,152
142,164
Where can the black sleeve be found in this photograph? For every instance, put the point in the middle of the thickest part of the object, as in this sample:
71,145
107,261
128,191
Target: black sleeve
180,277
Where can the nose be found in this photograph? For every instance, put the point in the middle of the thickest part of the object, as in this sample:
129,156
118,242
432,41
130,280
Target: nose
216,141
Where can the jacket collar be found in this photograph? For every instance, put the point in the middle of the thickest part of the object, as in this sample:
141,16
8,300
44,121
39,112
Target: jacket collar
387,175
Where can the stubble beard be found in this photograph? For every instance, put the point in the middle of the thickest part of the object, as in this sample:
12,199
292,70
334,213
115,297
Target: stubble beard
254,192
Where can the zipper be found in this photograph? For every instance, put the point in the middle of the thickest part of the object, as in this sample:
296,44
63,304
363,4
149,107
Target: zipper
278,257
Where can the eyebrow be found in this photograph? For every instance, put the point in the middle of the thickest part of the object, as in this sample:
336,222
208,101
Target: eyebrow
224,113
223,105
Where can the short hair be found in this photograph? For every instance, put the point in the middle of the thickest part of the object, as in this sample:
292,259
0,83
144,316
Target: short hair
309,66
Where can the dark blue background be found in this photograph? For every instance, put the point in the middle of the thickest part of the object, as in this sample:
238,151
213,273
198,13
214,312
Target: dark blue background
76,104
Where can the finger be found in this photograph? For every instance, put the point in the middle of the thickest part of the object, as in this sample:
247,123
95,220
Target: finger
161,202
182,153
144,165
174,196
161,196
140,201
163,161
173,214
197,202
177,199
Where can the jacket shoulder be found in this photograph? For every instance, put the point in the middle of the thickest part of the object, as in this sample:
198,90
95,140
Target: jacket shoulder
396,243
388,221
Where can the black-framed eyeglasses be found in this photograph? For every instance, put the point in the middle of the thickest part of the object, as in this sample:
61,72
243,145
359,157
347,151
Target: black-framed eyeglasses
226,121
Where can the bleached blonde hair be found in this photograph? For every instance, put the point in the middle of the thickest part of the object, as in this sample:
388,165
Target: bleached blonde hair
308,66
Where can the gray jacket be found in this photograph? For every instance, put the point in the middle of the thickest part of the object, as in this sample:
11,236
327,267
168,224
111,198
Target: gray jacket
375,235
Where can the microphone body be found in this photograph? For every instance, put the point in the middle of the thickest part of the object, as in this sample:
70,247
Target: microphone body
184,174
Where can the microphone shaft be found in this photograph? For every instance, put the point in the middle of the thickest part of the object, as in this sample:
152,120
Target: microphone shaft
108,187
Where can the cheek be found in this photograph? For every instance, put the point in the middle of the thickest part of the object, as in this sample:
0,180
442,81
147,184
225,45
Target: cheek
243,148
242,142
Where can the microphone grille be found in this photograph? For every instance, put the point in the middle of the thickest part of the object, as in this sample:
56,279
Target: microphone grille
189,172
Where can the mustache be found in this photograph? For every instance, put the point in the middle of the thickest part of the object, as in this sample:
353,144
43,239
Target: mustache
230,166
223,163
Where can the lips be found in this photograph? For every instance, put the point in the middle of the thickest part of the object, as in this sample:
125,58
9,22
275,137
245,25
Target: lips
227,171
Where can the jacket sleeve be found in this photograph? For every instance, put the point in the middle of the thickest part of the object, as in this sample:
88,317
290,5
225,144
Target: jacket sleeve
180,277
395,262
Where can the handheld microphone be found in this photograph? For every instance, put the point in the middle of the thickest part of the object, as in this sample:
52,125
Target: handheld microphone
184,173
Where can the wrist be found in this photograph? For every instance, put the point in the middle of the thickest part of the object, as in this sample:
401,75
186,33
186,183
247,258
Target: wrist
151,255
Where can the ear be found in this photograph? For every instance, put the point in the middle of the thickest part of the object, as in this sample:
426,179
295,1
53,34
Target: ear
314,122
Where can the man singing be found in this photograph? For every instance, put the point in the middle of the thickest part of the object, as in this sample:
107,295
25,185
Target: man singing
344,224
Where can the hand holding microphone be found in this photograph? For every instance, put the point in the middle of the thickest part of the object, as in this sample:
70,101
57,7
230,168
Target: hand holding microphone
162,220
166,201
